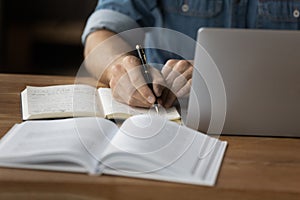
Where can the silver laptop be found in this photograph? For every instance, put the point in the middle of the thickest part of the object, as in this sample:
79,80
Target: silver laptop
246,82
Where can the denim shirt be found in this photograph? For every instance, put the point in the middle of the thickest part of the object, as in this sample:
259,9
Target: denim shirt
187,16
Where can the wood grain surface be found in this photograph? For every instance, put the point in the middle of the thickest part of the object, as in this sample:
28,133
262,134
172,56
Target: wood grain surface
253,167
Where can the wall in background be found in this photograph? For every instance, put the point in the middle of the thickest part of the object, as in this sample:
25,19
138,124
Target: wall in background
1,31
42,37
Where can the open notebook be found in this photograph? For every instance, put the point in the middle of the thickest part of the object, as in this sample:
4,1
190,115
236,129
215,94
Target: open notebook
60,101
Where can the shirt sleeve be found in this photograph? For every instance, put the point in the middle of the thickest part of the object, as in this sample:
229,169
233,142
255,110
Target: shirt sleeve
120,15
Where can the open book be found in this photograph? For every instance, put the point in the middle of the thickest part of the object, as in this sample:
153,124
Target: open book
63,101
145,146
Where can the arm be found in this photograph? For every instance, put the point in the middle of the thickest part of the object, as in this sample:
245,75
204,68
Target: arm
108,58
111,62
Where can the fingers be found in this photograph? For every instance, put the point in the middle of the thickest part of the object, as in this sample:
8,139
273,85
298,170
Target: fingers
129,86
158,81
124,91
185,90
182,83
132,66
178,76
178,73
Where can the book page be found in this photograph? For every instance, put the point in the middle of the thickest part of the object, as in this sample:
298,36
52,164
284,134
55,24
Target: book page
60,101
115,109
79,141
150,144
152,139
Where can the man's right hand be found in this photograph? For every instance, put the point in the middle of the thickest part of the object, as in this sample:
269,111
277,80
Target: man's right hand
107,58
128,84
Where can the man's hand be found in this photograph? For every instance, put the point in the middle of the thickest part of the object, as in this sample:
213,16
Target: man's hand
108,60
111,64
178,77
128,84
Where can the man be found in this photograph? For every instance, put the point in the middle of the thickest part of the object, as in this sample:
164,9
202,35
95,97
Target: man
186,16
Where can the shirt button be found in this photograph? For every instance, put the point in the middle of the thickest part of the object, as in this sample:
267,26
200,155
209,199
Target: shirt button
296,13
185,8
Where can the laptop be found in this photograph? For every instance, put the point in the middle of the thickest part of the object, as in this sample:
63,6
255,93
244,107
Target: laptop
246,82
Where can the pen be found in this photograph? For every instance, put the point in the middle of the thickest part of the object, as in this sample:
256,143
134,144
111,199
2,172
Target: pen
145,71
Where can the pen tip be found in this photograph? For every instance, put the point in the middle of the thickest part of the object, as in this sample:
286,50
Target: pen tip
137,46
156,108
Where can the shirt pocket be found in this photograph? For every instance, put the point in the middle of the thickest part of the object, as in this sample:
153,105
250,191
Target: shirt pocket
202,9
278,14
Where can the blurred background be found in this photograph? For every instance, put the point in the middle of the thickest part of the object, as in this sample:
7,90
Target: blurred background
42,36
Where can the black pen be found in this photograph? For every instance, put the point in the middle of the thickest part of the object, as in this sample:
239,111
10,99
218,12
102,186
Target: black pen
145,71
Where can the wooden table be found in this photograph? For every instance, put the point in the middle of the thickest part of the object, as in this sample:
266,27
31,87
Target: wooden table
253,167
